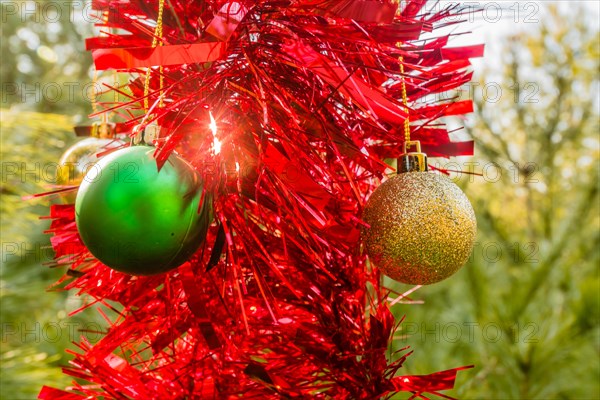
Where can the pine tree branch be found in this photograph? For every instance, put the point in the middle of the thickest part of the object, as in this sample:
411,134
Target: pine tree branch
558,247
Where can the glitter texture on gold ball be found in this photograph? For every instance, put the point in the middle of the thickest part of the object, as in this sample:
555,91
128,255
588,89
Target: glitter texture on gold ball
422,228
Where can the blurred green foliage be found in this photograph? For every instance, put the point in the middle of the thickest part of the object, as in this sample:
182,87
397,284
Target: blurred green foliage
524,310
44,63
35,327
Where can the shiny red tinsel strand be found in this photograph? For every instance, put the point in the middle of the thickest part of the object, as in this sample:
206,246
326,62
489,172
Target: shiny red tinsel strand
279,302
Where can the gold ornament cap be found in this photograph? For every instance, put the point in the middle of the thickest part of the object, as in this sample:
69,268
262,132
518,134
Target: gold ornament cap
412,161
103,130
146,134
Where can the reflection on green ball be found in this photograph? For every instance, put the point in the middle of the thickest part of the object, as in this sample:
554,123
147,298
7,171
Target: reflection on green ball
138,220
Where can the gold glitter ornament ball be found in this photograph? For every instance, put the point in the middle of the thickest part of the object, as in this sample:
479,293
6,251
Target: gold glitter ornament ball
422,228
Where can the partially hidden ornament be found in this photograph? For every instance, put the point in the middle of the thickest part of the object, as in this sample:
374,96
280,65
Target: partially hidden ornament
137,219
422,226
78,159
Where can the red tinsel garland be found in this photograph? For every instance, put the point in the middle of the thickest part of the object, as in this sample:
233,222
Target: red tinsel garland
307,99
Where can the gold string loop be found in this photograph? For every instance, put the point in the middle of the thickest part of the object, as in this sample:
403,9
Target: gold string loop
100,129
405,103
156,41
403,86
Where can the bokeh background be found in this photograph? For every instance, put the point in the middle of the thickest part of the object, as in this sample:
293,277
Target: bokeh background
525,309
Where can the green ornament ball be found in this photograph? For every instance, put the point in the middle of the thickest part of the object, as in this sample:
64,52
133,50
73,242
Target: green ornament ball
137,219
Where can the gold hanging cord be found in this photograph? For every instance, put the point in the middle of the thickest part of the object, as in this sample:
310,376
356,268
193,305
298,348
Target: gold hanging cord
99,129
156,41
413,161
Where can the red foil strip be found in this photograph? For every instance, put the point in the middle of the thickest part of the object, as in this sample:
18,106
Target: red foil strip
443,380
57,394
381,12
143,57
227,20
